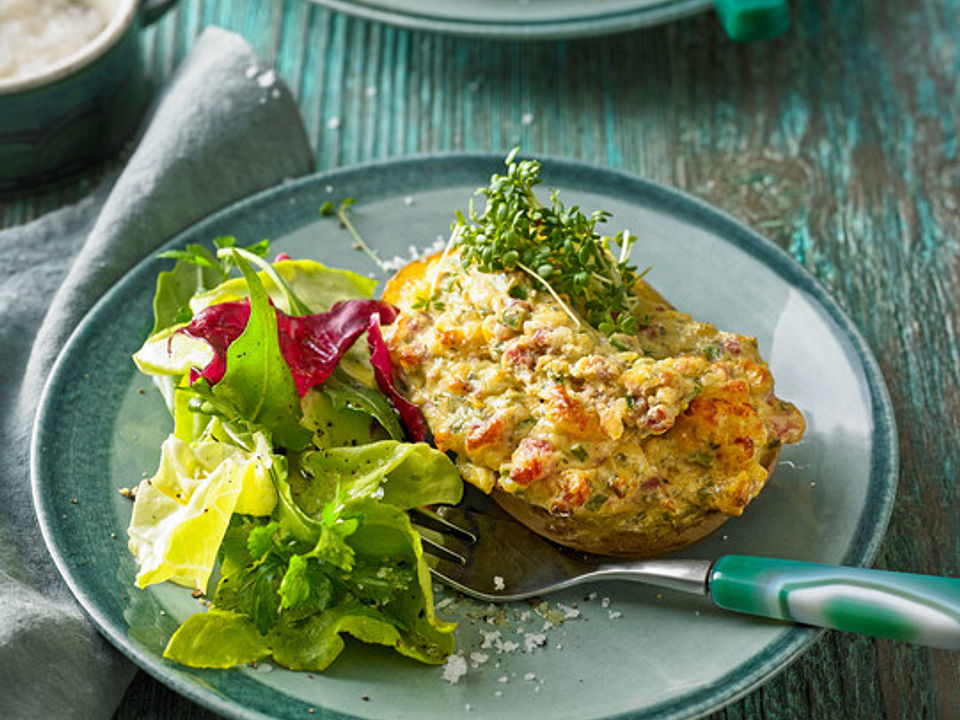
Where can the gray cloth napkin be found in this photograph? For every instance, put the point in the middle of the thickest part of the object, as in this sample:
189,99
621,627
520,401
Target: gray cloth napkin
224,128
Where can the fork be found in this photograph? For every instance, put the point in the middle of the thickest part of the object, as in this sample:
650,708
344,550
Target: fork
476,548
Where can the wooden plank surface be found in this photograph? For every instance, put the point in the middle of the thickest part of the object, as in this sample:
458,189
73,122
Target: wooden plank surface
839,142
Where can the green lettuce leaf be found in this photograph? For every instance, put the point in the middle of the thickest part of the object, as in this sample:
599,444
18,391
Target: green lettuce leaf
181,514
410,475
196,270
317,286
333,427
216,639
313,643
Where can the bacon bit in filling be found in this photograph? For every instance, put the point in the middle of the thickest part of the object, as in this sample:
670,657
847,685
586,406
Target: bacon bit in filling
532,460
574,491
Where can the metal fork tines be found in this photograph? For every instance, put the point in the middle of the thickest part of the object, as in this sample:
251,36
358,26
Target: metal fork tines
478,549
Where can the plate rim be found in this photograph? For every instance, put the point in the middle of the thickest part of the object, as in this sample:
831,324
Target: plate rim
763,666
605,24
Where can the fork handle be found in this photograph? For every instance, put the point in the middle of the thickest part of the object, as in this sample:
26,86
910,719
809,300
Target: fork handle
921,609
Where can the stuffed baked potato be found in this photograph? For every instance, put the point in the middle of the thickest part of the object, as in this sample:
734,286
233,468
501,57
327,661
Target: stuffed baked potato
613,445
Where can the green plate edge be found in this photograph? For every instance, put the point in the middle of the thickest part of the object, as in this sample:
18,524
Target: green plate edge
601,24
730,687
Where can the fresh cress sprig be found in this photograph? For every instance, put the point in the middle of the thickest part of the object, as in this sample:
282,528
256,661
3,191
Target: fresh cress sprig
340,211
555,246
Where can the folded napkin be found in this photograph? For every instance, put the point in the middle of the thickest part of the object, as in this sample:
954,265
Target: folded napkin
224,128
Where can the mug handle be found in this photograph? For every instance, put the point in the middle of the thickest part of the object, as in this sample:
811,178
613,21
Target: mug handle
153,10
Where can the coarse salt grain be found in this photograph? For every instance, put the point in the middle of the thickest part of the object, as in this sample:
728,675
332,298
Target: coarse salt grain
532,641
569,613
529,677
605,602
489,638
267,79
614,614
250,72
454,669
478,658
498,583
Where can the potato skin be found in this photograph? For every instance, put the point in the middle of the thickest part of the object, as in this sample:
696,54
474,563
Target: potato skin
616,536
624,453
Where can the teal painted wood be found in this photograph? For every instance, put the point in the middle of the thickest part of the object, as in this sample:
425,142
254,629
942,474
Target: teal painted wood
839,141
909,607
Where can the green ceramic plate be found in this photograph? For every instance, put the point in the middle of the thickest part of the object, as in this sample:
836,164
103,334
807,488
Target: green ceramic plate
627,651
521,19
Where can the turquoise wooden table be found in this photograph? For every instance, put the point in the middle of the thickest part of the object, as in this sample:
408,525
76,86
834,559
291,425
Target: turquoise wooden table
839,141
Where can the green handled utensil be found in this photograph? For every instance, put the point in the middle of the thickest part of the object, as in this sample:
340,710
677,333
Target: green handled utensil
483,552
753,19
914,608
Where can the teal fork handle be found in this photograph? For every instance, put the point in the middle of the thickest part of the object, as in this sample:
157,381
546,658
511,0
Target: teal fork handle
914,608
753,19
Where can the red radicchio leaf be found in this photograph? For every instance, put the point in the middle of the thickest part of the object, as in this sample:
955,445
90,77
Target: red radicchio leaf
383,371
312,345
219,325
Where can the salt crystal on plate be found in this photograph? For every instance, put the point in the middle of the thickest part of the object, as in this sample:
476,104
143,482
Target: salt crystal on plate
455,668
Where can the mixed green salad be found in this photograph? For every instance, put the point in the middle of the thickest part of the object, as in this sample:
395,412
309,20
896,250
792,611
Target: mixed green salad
282,490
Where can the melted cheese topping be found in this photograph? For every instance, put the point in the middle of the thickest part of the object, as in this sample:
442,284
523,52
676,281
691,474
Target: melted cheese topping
674,421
